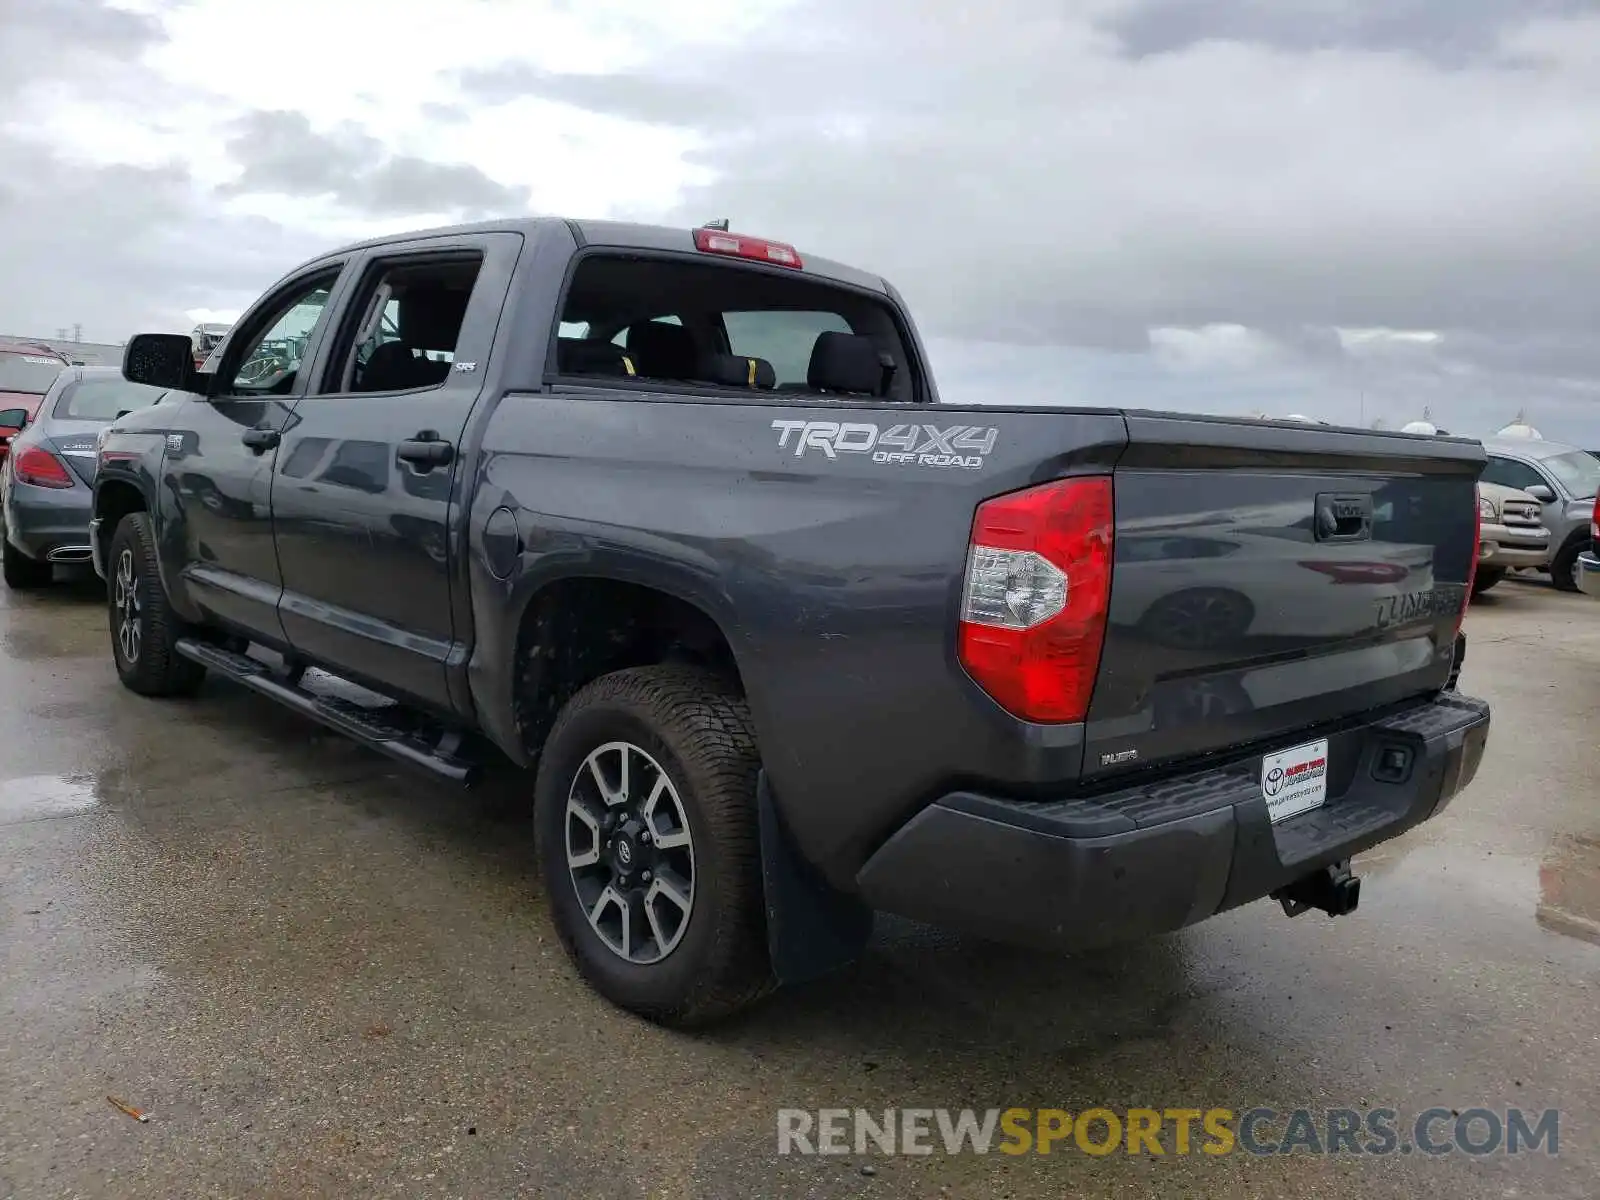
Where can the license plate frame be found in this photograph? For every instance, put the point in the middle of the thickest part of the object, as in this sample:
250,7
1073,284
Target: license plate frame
1294,781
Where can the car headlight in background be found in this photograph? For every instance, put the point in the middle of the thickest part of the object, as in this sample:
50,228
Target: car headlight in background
1486,508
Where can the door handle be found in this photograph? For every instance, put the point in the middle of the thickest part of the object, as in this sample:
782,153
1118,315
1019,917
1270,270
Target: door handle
260,439
427,450
1343,518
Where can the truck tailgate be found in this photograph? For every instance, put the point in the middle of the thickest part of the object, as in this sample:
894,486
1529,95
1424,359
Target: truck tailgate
1269,578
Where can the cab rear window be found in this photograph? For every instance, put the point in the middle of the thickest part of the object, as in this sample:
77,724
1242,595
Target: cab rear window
636,319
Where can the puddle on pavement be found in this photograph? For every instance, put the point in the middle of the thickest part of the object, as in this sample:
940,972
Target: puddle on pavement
41,797
1569,888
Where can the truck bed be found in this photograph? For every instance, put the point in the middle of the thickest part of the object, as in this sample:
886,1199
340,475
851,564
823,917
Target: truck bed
836,566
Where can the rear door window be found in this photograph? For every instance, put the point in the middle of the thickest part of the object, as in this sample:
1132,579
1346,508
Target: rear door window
411,315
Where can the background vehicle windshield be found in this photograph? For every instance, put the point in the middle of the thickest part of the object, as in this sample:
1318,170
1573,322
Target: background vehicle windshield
103,399
28,372
1578,472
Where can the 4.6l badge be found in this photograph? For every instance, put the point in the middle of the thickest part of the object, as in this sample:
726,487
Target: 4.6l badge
922,445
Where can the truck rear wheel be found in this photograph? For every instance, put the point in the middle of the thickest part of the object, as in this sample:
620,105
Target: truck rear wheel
645,805
144,629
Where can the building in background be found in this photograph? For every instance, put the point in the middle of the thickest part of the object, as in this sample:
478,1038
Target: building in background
89,354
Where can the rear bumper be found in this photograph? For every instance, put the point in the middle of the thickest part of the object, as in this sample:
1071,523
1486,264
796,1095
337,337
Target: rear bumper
1589,574
48,523
1084,872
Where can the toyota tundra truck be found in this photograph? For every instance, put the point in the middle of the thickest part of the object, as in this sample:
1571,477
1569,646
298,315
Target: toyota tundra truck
675,520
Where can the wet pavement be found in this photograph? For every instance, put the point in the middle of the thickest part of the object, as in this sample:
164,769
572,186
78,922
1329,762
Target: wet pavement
323,976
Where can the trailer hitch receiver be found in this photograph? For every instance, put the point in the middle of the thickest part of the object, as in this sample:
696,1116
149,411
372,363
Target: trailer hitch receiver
1333,889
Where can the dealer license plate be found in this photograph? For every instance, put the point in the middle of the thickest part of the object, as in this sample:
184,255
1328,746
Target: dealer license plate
1296,780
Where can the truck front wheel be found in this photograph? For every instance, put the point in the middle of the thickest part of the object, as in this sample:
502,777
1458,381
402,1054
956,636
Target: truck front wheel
1485,578
1564,567
648,843
144,627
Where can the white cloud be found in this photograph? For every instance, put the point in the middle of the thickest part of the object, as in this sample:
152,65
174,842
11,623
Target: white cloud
1360,339
1288,205
212,316
1213,347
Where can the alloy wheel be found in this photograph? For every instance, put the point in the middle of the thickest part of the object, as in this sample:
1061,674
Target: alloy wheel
630,852
125,599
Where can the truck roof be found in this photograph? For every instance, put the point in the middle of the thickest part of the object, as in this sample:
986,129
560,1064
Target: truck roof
626,235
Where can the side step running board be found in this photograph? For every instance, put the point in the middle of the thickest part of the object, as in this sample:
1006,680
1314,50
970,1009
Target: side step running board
371,727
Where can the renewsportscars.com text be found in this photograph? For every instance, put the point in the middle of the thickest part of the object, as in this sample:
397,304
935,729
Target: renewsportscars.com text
1474,1131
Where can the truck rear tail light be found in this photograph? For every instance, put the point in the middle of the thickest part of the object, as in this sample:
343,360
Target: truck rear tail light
1035,600
1472,568
738,245
41,469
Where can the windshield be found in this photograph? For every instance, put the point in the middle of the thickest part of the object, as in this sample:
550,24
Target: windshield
1578,472
28,372
103,399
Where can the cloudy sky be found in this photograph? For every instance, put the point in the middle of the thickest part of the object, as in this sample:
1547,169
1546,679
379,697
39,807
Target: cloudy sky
1347,208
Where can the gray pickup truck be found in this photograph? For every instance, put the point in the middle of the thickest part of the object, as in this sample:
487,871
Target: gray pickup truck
675,518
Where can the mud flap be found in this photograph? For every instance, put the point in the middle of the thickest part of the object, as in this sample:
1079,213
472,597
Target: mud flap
813,928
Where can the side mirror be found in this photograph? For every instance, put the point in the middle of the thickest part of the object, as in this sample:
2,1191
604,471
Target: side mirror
1540,492
163,360
12,421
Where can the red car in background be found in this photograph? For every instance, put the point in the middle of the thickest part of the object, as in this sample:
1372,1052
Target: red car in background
26,372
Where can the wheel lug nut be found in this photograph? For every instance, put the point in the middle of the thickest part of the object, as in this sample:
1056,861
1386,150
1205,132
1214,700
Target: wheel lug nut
645,877
645,836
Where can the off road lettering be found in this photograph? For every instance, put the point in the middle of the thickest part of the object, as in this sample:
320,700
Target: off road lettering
918,445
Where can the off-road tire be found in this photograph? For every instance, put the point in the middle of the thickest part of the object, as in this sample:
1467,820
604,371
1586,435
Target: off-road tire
22,573
697,727
1485,578
157,669
1566,559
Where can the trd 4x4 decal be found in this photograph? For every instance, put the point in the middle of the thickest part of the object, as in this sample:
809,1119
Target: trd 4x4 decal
919,445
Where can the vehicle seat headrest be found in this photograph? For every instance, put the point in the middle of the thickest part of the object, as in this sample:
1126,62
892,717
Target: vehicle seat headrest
581,356
848,362
662,351
736,370
430,317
